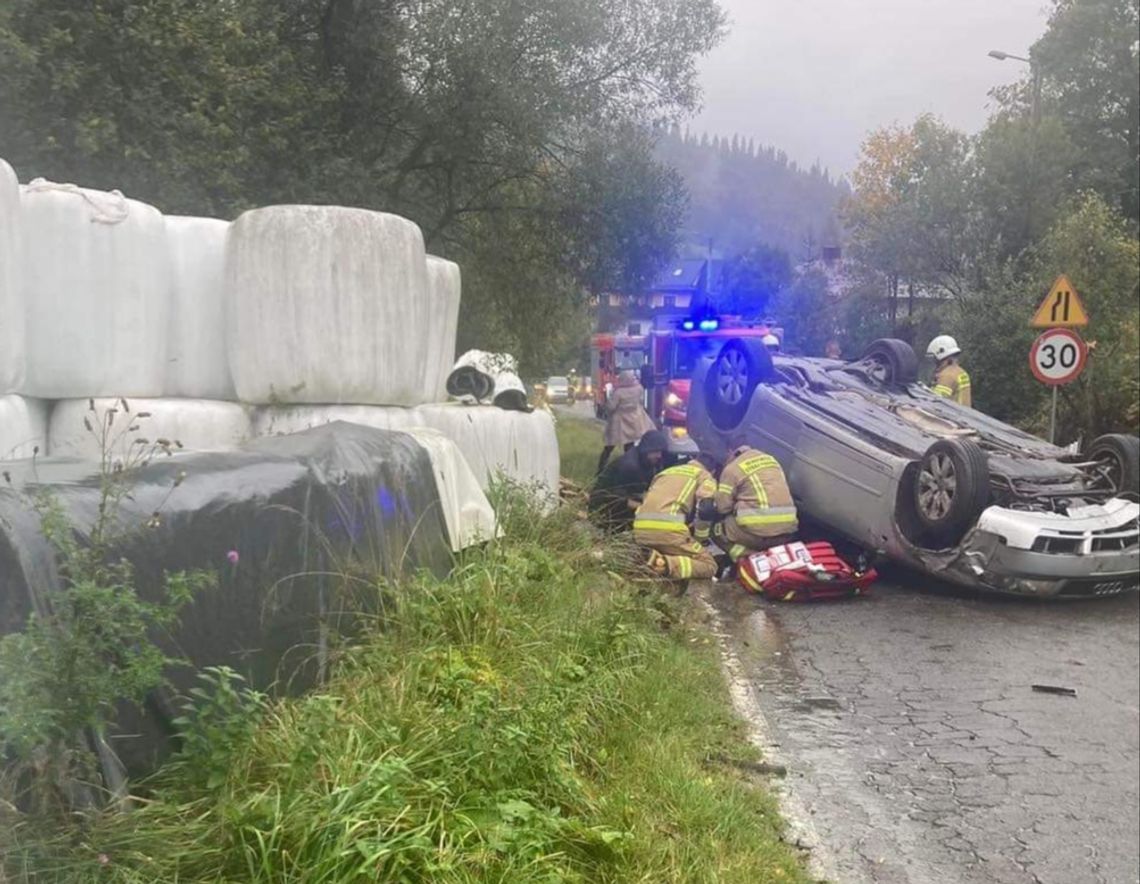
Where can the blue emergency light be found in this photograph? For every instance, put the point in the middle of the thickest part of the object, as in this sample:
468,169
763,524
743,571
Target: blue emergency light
687,325
709,325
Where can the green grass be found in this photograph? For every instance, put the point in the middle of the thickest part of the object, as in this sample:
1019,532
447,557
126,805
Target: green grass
533,718
580,441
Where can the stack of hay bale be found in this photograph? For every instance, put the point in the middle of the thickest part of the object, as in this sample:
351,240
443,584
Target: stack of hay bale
287,318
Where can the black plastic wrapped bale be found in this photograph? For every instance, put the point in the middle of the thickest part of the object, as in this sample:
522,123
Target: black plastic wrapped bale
293,511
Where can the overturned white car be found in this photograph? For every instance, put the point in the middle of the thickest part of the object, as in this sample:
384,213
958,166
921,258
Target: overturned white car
877,457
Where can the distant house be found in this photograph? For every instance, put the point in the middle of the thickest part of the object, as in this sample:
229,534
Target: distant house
679,290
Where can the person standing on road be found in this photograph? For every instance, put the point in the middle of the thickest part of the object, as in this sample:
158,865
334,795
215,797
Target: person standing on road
626,420
669,524
950,379
754,508
620,488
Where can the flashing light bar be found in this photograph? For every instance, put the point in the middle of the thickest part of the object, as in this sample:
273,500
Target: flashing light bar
687,325
709,325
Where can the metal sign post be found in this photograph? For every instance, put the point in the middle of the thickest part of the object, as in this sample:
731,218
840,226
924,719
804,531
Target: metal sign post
1058,355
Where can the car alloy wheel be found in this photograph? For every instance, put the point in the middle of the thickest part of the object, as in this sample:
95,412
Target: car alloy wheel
732,377
937,485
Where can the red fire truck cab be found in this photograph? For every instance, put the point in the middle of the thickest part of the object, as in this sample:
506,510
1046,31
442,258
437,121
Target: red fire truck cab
664,361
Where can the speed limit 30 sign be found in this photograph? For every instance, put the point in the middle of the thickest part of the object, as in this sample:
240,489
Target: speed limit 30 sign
1058,356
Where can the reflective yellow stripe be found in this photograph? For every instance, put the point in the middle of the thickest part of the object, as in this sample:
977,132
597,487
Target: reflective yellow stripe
660,525
680,503
685,566
758,488
748,580
725,489
702,533
767,510
736,551
940,390
760,462
788,519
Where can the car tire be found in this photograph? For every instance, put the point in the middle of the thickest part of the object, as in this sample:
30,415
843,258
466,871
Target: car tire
899,364
738,369
951,488
1120,455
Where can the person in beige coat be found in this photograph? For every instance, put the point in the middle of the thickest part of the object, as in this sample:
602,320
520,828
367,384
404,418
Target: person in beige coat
626,420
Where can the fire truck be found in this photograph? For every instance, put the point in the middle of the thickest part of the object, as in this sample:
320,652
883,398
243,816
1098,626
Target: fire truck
664,360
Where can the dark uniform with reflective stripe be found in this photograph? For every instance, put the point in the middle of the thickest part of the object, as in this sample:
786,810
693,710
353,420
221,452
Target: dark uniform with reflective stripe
662,521
753,497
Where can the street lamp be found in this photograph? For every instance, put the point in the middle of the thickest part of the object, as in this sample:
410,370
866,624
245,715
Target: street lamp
1034,72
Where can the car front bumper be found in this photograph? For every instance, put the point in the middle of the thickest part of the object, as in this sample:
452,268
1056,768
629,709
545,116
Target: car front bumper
1093,551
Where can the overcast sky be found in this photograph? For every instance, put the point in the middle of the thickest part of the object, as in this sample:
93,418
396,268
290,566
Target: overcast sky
811,77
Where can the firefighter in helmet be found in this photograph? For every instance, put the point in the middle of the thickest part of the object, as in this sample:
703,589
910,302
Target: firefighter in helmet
668,523
950,379
754,508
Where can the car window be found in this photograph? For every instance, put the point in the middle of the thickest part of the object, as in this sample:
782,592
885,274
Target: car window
557,382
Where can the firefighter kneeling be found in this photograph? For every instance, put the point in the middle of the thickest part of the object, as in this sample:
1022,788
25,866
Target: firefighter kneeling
663,521
754,507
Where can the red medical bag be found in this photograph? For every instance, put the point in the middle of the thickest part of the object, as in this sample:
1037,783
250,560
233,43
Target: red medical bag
802,572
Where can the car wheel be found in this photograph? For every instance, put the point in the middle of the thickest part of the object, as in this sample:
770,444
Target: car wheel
951,488
894,362
732,379
1118,461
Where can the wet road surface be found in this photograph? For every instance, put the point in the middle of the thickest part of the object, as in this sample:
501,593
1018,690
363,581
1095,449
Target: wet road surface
917,748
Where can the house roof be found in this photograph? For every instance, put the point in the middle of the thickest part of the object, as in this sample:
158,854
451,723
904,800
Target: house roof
681,276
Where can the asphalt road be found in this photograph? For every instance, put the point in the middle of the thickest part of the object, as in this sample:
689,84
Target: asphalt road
918,750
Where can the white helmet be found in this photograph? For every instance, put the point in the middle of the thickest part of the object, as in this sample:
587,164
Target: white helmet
943,347
770,341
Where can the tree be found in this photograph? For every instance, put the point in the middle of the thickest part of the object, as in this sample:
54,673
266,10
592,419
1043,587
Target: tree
1088,61
753,278
445,111
738,198
1024,175
909,215
1094,246
805,309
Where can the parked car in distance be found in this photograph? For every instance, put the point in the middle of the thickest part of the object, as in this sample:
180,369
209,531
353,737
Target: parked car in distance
558,390
877,457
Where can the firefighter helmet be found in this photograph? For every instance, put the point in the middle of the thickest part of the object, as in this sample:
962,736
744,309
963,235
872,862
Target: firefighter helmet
943,347
770,341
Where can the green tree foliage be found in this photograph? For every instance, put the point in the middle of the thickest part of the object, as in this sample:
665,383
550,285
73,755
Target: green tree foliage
805,309
445,111
1089,59
1023,179
910,215
1095,247
753,278
741,194
988,223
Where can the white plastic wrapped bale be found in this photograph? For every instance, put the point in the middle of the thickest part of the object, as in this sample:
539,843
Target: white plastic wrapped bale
196,363
327,305
23,427
281,420
198,424
522,446
444,287
466,510
478,375
96,280
11,295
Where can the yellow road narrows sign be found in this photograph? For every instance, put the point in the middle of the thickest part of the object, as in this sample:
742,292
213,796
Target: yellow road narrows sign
1062,307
